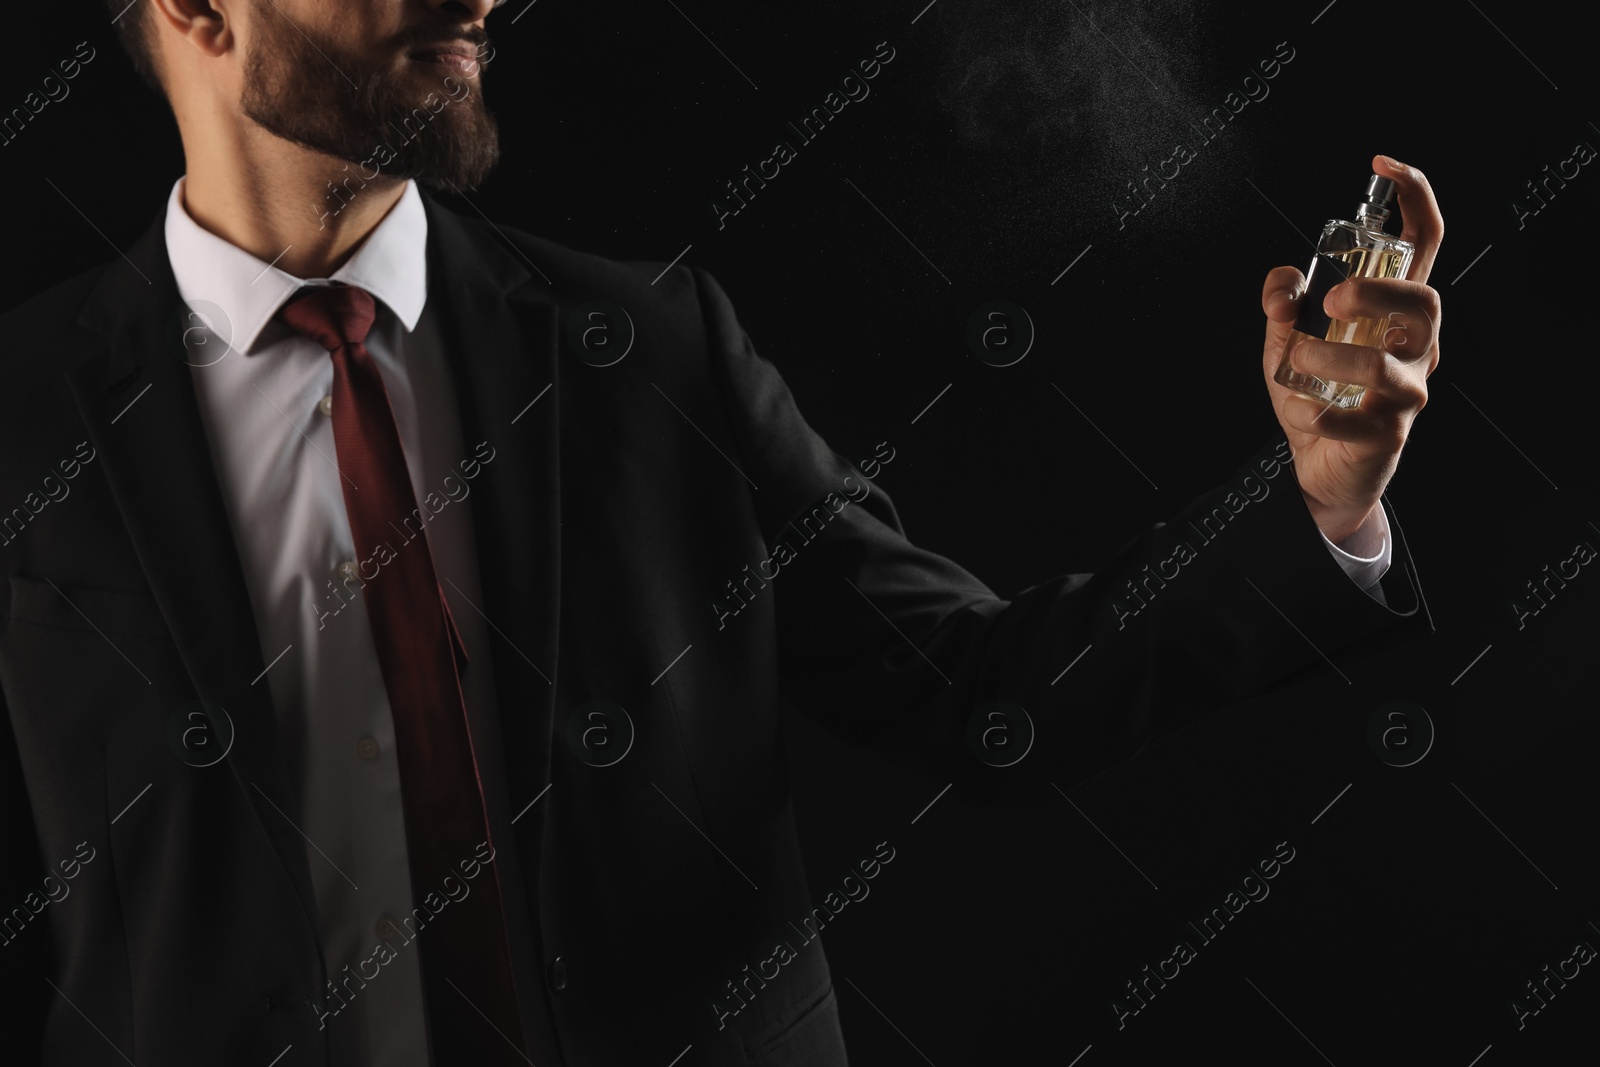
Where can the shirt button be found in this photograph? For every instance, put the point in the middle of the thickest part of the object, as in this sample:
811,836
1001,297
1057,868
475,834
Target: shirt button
325,405
367,748
348,571
387,927
558,974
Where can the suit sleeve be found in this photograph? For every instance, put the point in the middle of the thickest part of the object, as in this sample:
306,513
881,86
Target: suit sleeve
26,959
900,649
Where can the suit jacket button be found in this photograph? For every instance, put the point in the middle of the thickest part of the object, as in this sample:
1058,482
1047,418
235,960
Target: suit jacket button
558,974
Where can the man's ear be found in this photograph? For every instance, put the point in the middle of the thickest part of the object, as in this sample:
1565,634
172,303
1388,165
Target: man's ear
208,25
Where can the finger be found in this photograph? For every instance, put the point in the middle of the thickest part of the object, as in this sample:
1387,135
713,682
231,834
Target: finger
1280,296
1412,310
1382,432
1391,383
1421,222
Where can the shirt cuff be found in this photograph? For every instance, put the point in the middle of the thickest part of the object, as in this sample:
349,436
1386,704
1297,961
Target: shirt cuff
1365,555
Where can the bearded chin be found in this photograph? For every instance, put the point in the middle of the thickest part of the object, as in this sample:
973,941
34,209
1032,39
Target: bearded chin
369,119
458,147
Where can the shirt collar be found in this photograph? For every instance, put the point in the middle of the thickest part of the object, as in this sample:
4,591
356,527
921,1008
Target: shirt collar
214,275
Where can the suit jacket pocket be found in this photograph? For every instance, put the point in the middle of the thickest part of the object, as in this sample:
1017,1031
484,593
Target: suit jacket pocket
128,612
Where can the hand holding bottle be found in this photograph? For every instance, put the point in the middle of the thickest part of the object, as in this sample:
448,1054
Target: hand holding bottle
1347,438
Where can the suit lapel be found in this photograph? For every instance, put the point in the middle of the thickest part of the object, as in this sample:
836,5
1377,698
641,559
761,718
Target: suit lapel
139,407
500,329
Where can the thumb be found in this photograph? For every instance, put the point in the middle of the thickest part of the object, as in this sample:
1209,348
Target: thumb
1281,294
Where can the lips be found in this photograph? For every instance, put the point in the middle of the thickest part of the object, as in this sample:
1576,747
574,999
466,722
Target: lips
462,59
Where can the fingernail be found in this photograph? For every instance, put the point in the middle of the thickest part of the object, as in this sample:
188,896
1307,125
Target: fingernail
1393,164
1279,297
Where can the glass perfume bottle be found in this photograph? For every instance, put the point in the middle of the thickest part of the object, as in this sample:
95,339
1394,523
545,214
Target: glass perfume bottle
1358,249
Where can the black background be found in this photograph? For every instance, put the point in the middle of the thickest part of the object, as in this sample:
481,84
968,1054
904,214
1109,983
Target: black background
996,142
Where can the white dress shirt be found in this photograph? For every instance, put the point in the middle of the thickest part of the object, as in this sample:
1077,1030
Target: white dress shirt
1365,555
271,438
265,393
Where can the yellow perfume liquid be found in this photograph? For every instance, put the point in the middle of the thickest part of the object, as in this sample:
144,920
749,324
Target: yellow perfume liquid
1358,249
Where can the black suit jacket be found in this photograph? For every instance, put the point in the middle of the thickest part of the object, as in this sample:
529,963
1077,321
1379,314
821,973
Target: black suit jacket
617,510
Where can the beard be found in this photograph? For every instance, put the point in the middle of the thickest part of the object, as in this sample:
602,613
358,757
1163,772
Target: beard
308,89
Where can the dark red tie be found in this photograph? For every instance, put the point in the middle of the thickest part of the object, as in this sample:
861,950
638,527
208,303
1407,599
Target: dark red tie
466,958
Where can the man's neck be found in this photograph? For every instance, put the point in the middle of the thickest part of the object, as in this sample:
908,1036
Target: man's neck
275,201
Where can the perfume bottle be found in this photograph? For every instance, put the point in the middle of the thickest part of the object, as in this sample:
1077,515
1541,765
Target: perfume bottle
1358,249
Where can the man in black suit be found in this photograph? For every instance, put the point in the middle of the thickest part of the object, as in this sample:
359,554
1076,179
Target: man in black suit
497,787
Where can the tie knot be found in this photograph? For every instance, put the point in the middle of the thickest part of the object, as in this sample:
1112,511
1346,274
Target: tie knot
331,315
